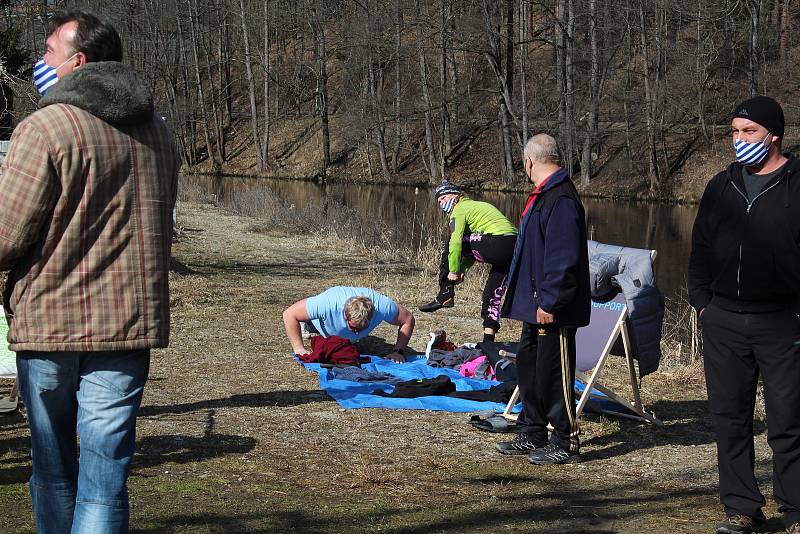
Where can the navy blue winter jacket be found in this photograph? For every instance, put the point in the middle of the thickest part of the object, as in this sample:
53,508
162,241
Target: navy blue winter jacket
550,268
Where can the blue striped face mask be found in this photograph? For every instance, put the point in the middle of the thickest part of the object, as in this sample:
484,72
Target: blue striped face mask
44,76
447,207
751,153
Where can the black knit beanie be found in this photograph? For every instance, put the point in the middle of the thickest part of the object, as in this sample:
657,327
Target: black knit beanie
764,111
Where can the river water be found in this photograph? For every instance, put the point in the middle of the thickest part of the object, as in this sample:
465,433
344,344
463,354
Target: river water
413,214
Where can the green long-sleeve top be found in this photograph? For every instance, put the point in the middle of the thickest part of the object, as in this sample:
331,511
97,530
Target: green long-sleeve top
474,217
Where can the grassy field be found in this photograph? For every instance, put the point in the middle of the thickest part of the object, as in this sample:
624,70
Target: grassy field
233,436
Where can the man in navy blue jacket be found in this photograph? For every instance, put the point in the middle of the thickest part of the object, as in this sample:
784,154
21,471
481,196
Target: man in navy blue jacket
548,291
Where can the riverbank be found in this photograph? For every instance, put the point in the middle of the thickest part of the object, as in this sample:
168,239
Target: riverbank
680,190
615,176
234,436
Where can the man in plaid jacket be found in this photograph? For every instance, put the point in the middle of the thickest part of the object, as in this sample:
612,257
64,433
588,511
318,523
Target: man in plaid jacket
87,192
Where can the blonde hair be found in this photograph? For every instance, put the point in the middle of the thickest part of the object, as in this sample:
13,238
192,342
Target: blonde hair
359,310
542,147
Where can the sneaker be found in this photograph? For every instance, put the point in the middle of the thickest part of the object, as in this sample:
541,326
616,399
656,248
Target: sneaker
738,524
552,454
793,528
522,444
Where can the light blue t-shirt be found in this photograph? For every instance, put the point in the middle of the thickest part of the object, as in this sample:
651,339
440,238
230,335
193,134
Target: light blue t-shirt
326,311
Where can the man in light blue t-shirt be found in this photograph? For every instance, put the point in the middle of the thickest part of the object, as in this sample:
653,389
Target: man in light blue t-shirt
351,313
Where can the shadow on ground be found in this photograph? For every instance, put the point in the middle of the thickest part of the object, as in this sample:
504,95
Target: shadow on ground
294,269
566,508
156,450
245,400
686,423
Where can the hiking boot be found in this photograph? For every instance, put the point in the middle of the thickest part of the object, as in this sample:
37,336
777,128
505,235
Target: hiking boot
552,454
793,528
738,524
445,299
522,444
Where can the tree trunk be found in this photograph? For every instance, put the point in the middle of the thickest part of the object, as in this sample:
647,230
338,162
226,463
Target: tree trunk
569,82
398,88
322,86
215,115
219,137
381,129
523,82
224,64
594,96
445,146
210,152
754,8
628,86
493,22
423,74
266,68
785,32
251,87
648,104
561,77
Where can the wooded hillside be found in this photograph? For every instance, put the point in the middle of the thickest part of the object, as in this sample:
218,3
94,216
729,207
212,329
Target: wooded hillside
414,90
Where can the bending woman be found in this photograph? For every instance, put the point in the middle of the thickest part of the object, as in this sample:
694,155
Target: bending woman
478,232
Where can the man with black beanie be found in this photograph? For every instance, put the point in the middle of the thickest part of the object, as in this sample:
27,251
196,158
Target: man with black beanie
744,282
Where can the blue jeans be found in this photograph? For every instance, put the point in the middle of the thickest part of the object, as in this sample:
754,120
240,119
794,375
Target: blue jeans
95,395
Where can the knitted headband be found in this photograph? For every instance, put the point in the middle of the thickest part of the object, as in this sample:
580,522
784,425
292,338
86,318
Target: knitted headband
447,188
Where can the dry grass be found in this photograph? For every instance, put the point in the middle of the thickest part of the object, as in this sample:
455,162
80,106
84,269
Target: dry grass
234,437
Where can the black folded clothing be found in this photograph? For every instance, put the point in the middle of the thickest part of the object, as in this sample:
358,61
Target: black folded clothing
422,387
499,393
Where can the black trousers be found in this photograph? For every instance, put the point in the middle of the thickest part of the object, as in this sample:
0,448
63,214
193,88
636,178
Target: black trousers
546,371
496,250
737,347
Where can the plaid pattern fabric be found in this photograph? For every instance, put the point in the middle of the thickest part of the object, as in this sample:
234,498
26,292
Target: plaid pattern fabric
85,227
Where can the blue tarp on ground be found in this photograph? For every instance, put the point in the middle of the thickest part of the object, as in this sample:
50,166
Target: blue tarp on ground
351,394
359,394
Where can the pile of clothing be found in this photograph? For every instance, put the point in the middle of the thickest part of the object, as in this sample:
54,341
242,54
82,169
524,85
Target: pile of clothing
488,360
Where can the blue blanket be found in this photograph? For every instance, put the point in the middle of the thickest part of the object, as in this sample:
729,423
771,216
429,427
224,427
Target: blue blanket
351,394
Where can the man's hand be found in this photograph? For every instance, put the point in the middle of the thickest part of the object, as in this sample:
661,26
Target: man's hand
396,357
543,317
299,351
456,278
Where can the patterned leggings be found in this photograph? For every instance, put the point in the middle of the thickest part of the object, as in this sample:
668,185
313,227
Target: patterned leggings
497,251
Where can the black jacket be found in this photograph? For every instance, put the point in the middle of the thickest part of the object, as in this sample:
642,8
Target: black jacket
550,268
745,255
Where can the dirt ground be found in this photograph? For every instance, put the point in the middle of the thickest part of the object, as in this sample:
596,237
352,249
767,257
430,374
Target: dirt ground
233,436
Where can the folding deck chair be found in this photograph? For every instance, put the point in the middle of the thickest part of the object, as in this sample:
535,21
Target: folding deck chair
593,346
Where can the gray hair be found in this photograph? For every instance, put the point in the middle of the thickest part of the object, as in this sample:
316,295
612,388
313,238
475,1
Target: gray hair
542,147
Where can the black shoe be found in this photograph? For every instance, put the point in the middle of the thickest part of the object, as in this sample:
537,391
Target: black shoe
552,454
522,444
738,524
441,301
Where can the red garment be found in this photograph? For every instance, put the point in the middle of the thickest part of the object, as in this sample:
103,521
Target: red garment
334,349
532,198
444,345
